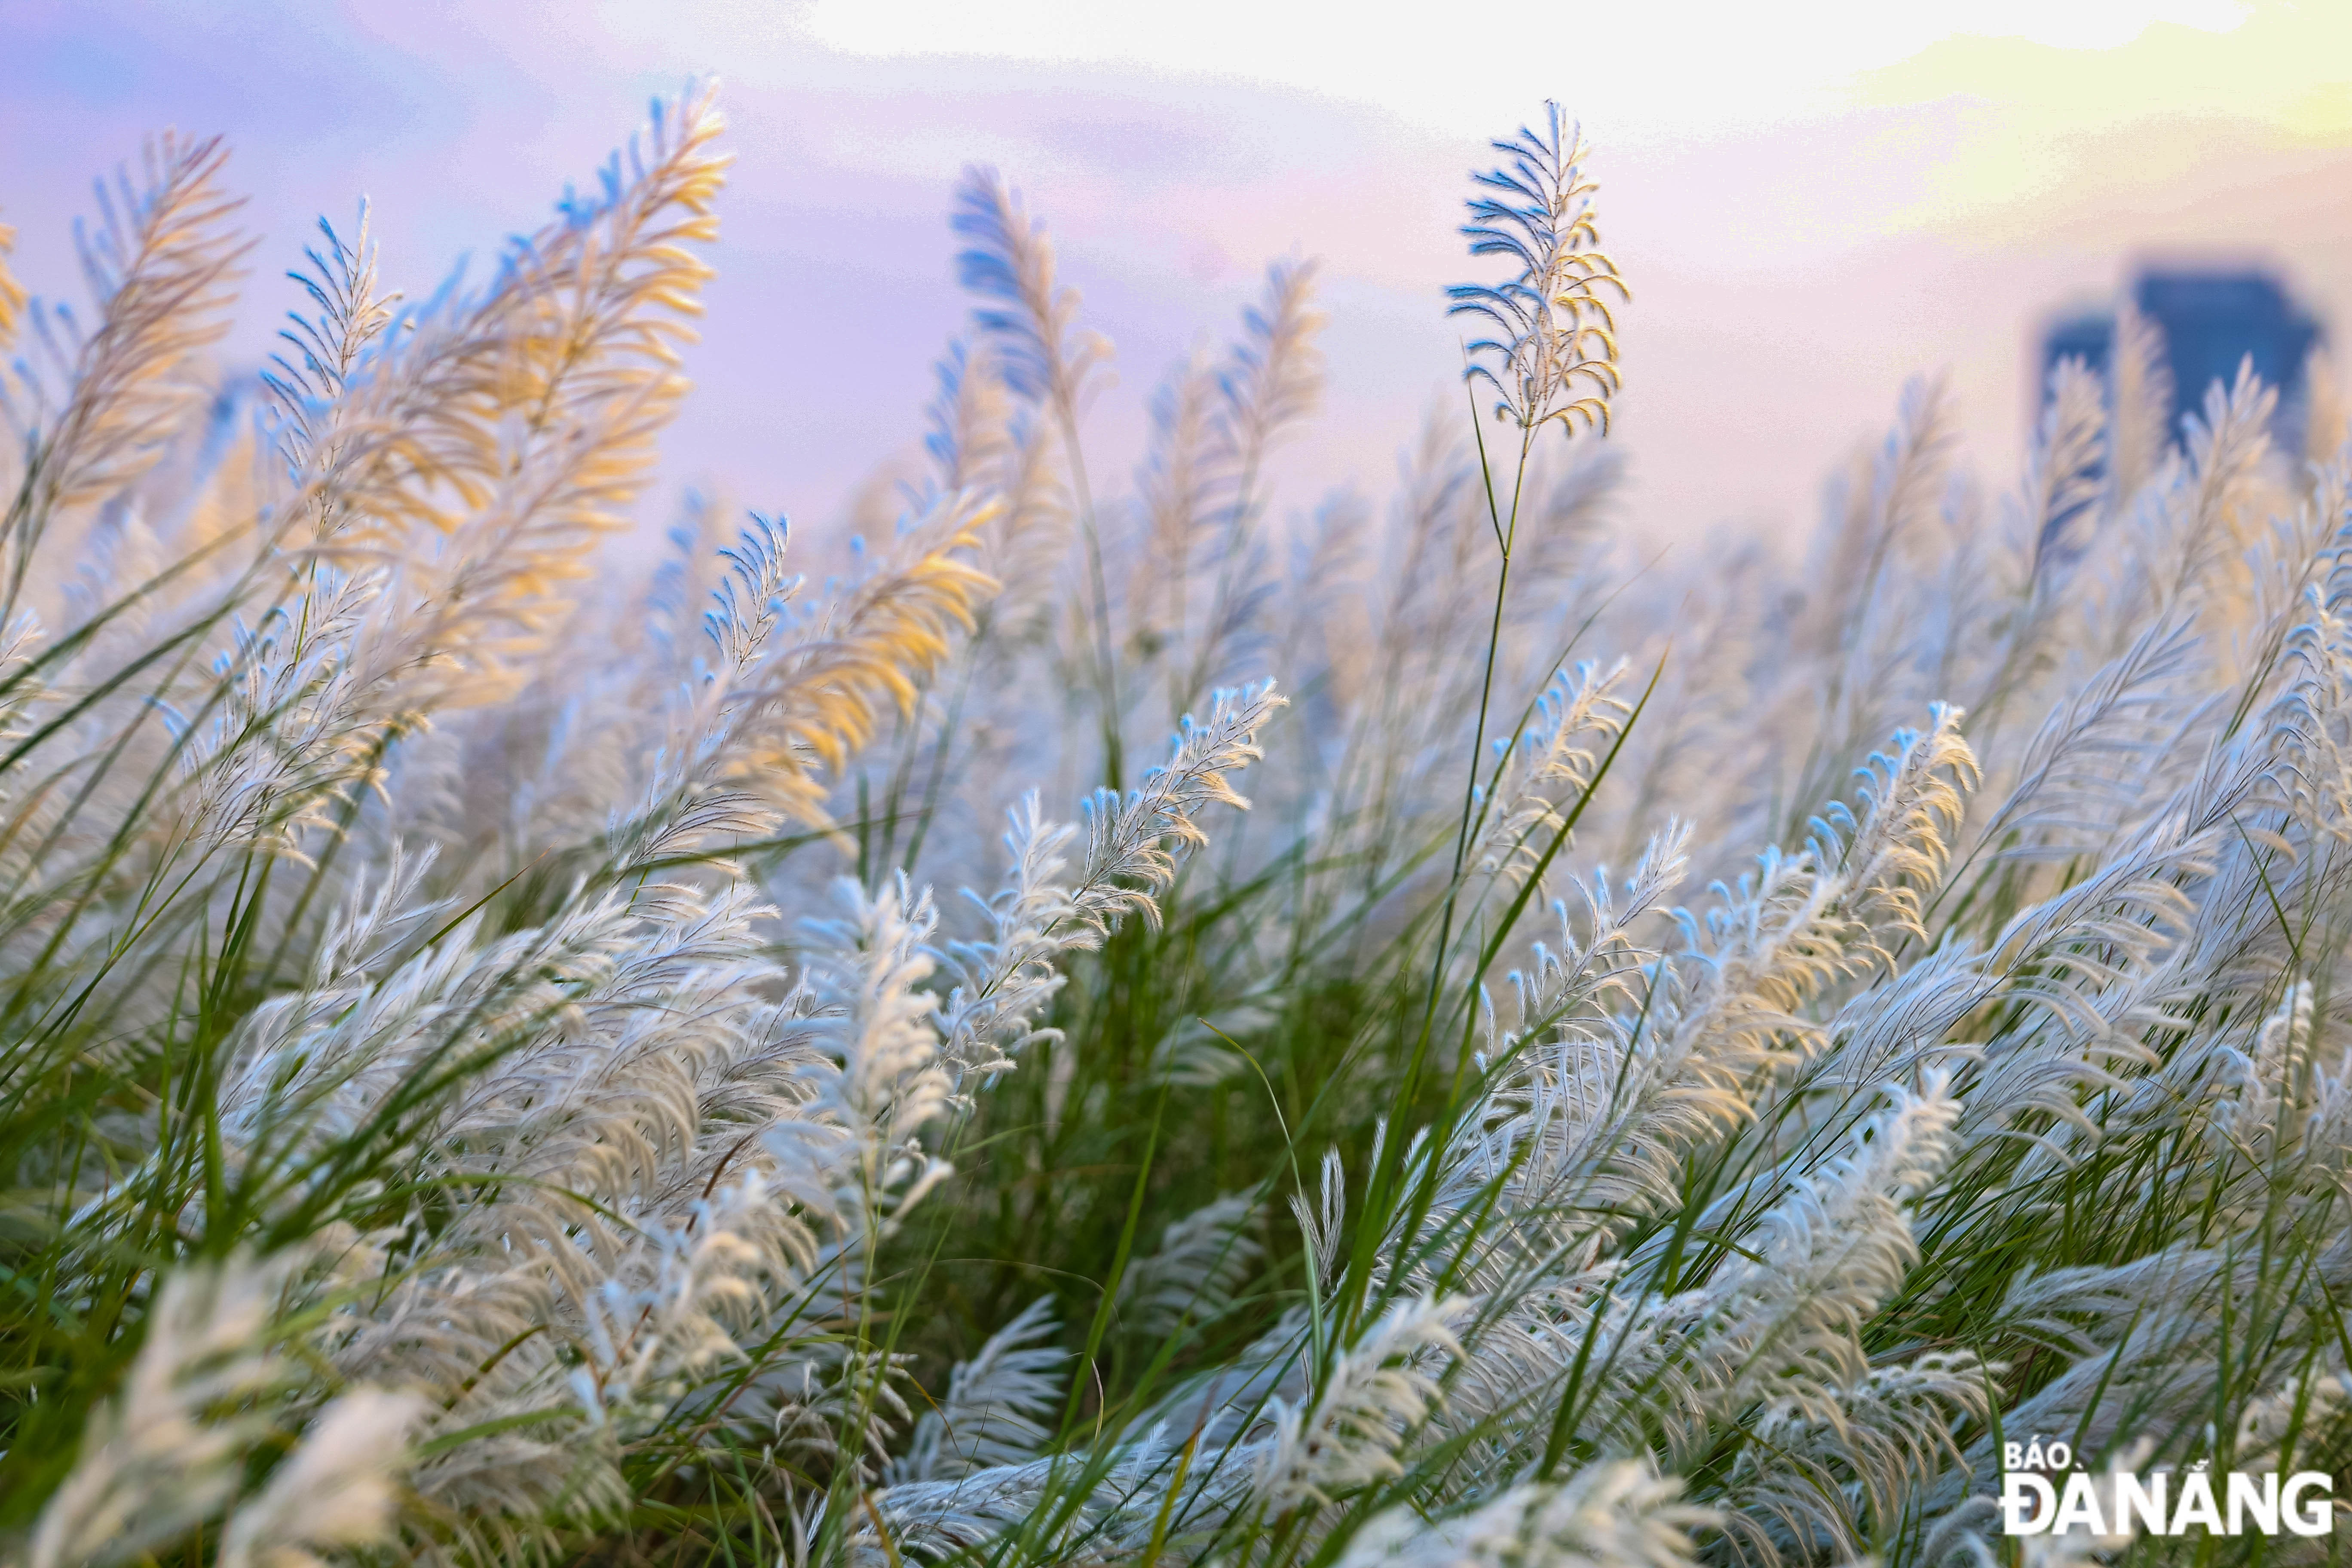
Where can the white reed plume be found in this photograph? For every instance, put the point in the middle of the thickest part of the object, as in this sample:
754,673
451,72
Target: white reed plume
1570,1127
970,422
1024,548
1274,377
2077,776
161,267
882,1031
2196,515
1554,354
2063,476
1912,804
159,1458
1779,1324
1200,1263
1183,487
1135,841
650,1338
996,1407
339,1490
2260,1115
579,333
810,702
1617,1513
1005,979
431,540
1552,764
2142,397
1030,319
1607,1113
353,313
1034,325
1271,379
169,1451
1864,1462
1369,1399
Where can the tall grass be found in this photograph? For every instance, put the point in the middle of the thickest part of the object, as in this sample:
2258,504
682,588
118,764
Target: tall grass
1679,1063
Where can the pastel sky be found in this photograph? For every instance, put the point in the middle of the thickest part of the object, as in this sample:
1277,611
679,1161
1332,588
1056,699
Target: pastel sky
1812,201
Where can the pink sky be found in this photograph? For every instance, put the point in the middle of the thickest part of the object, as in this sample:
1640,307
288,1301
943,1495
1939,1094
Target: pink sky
1802,229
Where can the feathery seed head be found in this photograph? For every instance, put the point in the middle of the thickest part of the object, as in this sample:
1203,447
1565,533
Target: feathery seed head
1033,323
1554,352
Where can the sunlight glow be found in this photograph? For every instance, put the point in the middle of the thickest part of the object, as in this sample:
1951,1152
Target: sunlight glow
1761,64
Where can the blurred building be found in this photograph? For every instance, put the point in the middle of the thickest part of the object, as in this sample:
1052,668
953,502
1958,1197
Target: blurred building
2212,319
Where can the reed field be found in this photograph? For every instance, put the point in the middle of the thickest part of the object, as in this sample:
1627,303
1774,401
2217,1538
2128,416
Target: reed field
802,1052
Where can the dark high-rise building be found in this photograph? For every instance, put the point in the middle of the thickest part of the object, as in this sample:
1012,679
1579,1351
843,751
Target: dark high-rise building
2211,320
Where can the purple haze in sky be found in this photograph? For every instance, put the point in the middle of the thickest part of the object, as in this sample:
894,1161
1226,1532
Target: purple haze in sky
1786,279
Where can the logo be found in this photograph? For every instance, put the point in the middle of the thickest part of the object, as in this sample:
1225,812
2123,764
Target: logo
2040,1492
